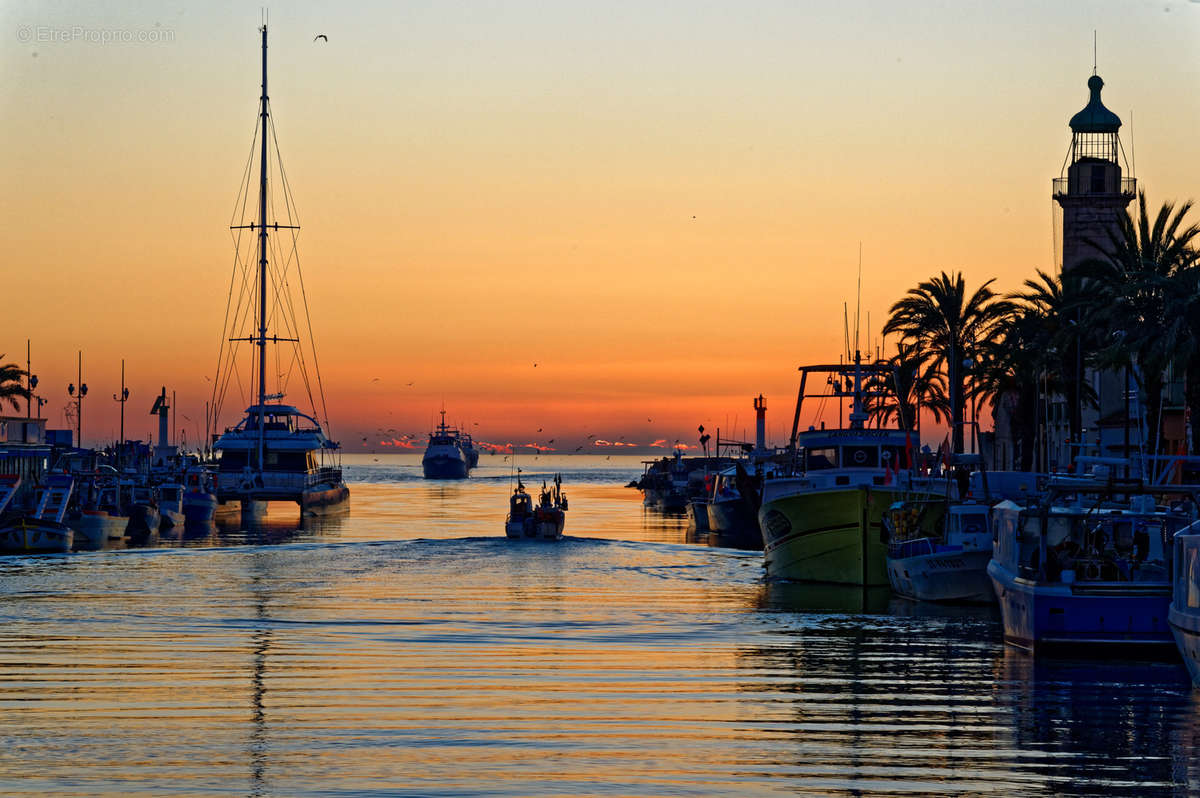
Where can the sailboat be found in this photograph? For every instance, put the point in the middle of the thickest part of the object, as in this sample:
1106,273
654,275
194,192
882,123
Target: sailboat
276,452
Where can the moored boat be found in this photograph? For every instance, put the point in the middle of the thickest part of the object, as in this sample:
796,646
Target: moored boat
170,505
42,530
822,522
1183,614
939,550
199,501
1089,565
142,510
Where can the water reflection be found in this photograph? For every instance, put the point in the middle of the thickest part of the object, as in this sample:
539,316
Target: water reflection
784,596
1087,725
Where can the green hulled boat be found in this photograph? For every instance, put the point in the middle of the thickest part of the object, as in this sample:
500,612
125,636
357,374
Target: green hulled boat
823,523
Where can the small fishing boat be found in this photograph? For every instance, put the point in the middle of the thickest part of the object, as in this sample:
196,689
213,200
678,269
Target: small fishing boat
144,518
98,516
1184,612
549,517
519,523
449,454
733,510
939,547
545,521
939,550
170,505
199,501
1088,565
42,530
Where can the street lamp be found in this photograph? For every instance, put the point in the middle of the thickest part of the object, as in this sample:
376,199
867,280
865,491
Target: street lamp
122,397
82,392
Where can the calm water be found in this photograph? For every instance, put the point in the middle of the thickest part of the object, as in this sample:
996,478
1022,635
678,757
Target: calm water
410,649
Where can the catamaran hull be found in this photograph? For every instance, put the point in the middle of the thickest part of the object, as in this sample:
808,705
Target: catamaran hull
943,576
445,467
1185,627
1088,614
325,499
27,535
827,536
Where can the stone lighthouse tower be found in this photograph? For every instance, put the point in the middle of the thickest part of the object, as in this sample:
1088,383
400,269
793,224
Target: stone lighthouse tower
1093,194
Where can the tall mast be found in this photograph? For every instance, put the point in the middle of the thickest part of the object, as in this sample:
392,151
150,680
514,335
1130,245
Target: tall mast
262,257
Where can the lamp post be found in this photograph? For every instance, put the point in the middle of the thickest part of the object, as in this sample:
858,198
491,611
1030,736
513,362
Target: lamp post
122,397
82,392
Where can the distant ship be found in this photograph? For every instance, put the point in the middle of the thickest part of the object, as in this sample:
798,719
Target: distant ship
450,454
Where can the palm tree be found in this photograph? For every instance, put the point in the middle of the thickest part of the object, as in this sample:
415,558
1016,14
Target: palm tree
1061,305
913,385
1136,303
943,320
12,387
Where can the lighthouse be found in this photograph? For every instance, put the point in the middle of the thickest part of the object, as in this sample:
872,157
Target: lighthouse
1093,193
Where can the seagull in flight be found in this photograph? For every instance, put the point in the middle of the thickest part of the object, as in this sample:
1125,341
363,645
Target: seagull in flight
321,36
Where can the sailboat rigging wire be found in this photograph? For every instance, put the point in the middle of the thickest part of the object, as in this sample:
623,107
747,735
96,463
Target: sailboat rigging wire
304,297
241,198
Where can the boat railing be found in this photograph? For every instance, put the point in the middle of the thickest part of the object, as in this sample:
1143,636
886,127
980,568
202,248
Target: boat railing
325,475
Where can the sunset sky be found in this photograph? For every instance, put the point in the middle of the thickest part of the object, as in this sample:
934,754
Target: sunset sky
660,204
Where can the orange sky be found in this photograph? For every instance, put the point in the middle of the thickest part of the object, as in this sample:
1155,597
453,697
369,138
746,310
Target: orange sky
661,207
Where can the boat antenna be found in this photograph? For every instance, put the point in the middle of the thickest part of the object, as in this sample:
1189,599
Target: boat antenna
846,326
858,304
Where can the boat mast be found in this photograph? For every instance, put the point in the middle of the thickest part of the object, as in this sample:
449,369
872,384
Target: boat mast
262,258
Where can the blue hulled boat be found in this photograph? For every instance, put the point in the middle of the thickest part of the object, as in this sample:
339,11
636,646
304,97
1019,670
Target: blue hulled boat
1089,565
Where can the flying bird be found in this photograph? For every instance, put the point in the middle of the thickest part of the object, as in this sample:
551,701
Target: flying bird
326,38
410,385
375,379
550,441
535,365
579,448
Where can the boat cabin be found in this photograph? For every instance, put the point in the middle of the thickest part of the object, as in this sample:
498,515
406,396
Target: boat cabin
1075,544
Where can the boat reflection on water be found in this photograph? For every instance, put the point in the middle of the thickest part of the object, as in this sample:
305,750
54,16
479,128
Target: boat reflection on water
784,596
276,526
1123,708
